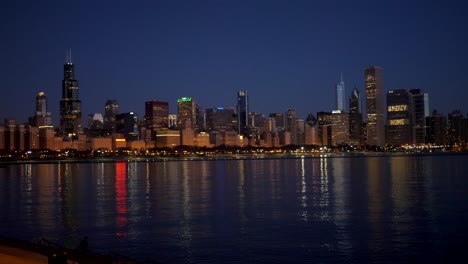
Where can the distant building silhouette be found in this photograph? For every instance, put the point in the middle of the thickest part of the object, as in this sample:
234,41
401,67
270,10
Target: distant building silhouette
110,112
420,104
243,113
355,118
70,106
375,106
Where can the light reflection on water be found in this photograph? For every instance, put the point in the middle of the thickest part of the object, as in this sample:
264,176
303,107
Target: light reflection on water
325,210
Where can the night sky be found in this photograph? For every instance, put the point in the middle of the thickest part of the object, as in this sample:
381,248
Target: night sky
286,54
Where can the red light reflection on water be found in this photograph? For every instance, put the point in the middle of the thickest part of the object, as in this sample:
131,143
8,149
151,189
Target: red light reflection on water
121,198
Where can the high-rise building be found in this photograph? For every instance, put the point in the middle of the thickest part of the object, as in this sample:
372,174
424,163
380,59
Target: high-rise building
279,121
43,117
420,104
340,95
242,113
436,129
156,115
220,119
355,118
454,129
291,125
399,117
340,127
127,124
186,111
110,112
70,105
324,120
375,106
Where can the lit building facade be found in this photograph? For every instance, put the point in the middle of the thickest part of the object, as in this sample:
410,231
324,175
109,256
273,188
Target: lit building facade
156,115
70,106
340,127
375,106
186,111
43,117
399,118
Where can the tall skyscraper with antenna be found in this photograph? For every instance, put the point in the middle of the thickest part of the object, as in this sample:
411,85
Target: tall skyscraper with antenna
340,95
70,105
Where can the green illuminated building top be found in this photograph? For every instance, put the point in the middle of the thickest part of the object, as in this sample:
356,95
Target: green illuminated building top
184,99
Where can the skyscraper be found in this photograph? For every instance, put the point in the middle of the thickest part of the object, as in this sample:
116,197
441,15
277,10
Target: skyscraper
420,112
110,112
186,111
399,117
355,118
43,117
157,115
340,95
70,105
375,106
291,125
242,113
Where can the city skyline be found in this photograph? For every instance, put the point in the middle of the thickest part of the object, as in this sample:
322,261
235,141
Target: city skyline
210,51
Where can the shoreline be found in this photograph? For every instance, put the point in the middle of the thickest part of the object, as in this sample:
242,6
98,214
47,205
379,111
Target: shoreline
267,156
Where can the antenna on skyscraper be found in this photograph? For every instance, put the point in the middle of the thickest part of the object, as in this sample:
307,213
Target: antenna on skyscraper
341,76
70,57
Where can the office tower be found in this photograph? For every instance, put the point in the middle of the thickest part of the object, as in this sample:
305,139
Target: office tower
95,121
340,95
300,136
399,117
186,111
110,112
70,105
420,103
291,125
436,129
339,127
355,118
375,106
127,124
43,117
311,120
220,119
279,121
324,121
200,123
454,129
242,113
156,115
172,121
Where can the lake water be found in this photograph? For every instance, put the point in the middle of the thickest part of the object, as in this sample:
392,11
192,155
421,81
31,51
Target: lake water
394,209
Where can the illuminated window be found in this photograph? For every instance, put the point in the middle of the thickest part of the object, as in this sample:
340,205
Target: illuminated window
397,108
398,122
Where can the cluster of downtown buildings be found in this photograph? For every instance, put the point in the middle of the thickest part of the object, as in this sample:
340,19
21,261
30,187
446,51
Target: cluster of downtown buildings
397,118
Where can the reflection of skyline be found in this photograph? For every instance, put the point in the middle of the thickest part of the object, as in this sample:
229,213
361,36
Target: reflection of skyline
121,198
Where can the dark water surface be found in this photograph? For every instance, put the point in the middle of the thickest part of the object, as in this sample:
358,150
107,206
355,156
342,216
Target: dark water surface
397,209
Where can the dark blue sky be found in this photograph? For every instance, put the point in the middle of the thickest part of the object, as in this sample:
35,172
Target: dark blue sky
286,54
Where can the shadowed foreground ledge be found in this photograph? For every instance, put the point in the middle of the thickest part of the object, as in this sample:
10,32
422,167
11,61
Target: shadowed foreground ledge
14,251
